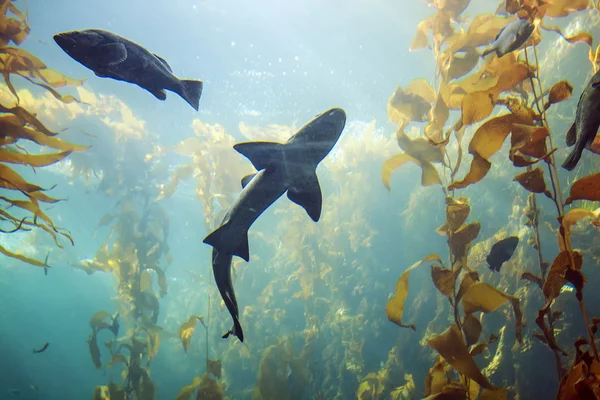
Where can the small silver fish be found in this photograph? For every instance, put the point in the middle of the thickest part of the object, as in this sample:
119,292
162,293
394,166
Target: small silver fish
511,37
587,121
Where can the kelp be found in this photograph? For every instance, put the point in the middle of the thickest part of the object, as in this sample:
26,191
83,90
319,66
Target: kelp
18,124
187,329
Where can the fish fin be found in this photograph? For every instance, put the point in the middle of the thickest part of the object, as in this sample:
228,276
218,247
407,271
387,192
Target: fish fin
488,51
163,62
261,154
191,91
159,94
226,335
113,53
215,238
572,135
237,330
307,194
100,74
246,180
573,158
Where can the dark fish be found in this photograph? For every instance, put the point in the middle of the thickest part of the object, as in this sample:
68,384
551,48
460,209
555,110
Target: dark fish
587,121
511,37
501,252
114,327
282,167
43,348
112,56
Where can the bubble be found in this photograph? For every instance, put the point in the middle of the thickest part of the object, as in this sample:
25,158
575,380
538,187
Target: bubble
232,43
279,59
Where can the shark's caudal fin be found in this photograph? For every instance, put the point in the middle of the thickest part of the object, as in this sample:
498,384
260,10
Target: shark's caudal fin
236,330
307,194
261,154
191,91
217,240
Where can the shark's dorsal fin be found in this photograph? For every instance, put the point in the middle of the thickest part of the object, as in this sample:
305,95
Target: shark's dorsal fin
307,194
113,53
246,180
215,240
261,154
164,62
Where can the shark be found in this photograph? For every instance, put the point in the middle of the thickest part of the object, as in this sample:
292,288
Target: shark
281,167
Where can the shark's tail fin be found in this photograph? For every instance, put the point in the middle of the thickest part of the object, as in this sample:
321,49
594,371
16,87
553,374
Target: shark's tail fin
236,330
191,91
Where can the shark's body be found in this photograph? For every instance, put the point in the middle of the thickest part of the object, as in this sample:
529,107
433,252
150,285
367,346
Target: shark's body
113,56
282,167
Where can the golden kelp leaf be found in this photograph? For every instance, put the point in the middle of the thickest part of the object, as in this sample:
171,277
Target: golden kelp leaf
181,173
65,99
533,180
456,213
569,383
186,329
529,140
187,391
9,179
437,379
56,79
486,298
555,279
477,106
97,321
586,188
23,258
468,280
162,278
117,358
214,367
439,23
562,8
453,8
391,164
443,279
490,136
463,237
472,329
420,148
480,348
110,392
405,106
457,66
437,117
479,169
94,350
430,175
34,160
395,307
559,92
450,345
153,343
499,394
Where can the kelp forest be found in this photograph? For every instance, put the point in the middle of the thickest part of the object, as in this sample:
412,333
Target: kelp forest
395,293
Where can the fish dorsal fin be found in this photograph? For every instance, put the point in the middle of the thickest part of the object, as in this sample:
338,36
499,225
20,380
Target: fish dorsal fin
113,53
307,194
262,155
246,180
164,62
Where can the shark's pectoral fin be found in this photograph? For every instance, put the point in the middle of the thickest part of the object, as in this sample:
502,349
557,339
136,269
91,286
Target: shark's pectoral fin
113,53
246,180
261,154
307,194
216,240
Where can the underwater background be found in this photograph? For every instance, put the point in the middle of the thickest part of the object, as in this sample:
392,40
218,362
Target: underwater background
114,222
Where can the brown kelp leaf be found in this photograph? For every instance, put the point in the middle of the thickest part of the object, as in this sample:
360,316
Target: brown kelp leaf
457,65
480,348
186,329
533,180
450,345
457,212
569,383
559,92
555,279
468,280
472,329
97,322
214,367
391,164
499,394
486,298
529,140
117,358
9,179
479,169
528,276
437,379
94,350
112,391
462,238
153,343
586,188
443,279
56,79
34,160
187,391
395,306
562,8
490,136
477,106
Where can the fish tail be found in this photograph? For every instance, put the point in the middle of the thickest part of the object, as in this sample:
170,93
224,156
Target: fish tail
191,91
573,158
